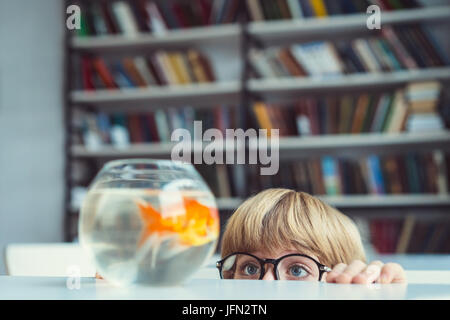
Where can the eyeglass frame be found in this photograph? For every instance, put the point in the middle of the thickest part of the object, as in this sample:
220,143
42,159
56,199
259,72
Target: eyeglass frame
262,262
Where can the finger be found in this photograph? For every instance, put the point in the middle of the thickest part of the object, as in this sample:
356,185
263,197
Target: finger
352,270
337,270
392,273
369,274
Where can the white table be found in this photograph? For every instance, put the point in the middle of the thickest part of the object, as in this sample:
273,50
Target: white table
423,283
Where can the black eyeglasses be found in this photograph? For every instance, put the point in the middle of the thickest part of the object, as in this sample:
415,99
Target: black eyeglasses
295,266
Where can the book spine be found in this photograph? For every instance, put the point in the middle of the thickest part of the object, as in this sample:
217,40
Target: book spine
125,19
331,176
390,35
375,175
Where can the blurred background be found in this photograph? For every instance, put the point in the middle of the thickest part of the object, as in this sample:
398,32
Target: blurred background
363,113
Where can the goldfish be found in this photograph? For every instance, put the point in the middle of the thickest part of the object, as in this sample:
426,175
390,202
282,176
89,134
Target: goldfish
197,226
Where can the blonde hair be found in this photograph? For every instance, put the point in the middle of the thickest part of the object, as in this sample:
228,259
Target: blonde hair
277,219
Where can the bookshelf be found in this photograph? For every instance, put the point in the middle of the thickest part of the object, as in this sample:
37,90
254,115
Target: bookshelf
347,145
366,201
141,98
170,39
242,91
163,150
297,147
288,87
334,27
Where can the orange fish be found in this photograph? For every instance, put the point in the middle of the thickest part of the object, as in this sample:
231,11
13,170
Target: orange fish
198,225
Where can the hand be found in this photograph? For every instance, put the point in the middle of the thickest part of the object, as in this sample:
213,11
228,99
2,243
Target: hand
98,276
359,272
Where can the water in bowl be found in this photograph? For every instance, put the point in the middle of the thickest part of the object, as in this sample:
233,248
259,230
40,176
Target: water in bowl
147,236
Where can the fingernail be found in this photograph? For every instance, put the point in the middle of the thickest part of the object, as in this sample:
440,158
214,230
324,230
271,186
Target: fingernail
368,272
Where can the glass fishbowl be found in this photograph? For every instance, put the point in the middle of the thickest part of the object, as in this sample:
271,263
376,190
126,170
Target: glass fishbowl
147,221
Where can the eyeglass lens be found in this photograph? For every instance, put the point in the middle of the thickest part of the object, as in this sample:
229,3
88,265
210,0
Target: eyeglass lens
243,266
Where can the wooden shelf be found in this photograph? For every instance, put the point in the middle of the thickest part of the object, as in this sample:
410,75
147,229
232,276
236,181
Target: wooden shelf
229,204
434,201
351,145
157,150
133,99
382,201
342,26
271,33
285,88
207,94
365,201
147,41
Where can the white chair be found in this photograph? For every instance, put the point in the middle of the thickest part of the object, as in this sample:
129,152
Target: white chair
47,259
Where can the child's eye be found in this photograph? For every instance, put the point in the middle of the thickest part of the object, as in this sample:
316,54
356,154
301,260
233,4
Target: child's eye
250,269
297,271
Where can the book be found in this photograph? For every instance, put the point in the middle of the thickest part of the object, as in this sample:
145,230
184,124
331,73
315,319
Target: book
260,64
372,104
360,112
142,68
224,189
133,73
99,22
157,23
319,9
166,68
287,58
284,9
155,64
295,9
316,175
399,113
103,71
260,110
331,176
255,10
86,70
418,238
438,236
198,71
141,16
362,49
392,38
405,234
442,171
124,17
333,7
391,172
181,68
302,52
375,176
346,114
